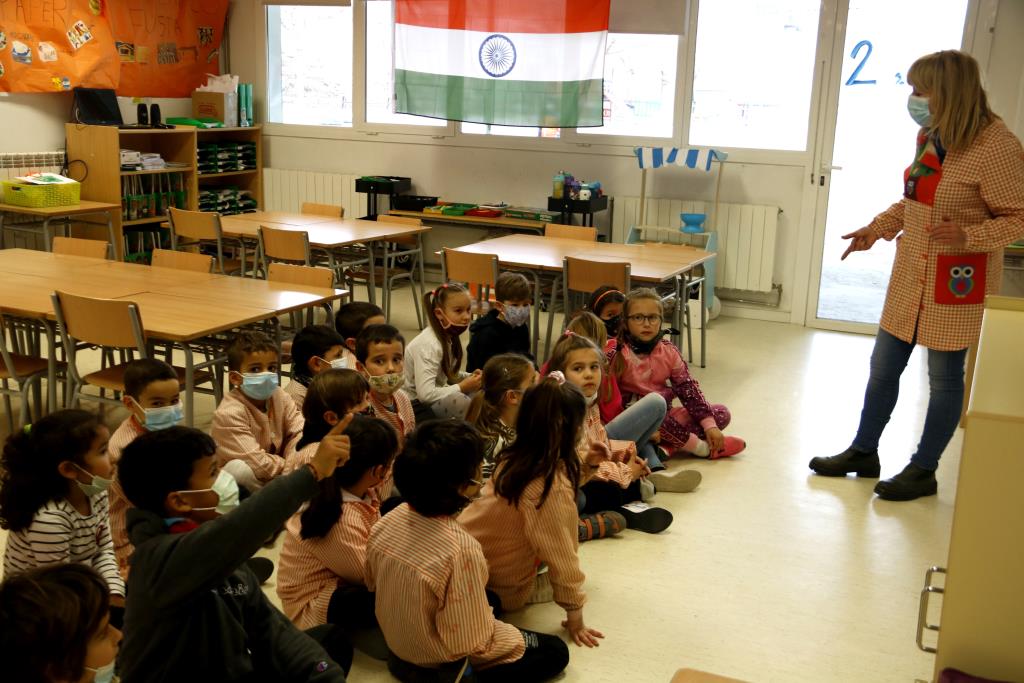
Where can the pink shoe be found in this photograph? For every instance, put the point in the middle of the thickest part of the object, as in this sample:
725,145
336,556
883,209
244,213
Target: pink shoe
733,446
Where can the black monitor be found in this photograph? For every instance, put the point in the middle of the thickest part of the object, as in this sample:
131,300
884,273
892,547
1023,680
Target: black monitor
96,106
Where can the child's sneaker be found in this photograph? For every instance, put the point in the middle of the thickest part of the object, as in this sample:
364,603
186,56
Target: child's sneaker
681,481
600,525
733,446
647,490
643,517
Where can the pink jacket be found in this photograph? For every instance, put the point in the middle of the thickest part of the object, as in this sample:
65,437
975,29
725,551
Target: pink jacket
261,439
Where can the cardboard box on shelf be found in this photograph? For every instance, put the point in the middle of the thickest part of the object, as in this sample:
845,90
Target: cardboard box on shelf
222,106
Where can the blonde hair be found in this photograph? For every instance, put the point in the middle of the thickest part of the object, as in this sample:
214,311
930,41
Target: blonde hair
952,81
589,325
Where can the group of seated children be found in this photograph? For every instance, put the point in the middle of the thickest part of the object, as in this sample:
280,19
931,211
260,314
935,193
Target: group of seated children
408,542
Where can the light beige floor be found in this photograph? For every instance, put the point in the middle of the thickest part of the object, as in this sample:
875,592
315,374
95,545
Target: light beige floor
768,573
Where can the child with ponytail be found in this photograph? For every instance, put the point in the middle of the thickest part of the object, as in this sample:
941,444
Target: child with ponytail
493,411
432,377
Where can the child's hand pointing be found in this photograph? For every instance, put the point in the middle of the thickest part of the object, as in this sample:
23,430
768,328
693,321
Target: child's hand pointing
333,451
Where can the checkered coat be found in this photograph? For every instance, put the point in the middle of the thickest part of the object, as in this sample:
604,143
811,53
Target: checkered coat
982,190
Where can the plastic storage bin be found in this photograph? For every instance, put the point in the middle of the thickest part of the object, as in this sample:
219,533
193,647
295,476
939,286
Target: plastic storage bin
40,196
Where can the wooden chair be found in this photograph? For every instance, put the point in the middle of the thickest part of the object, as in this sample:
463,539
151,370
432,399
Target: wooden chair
581,275
202,228
332,210
290,246
182,260
305,276
76,246
26,372
479,270
572,232
407,246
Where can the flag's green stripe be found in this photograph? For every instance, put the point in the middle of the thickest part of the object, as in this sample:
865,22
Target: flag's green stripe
552,104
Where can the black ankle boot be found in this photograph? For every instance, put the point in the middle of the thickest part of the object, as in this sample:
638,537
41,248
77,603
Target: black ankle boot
913,482
851,460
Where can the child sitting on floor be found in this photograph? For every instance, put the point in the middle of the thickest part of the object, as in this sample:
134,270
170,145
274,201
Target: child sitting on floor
195,610
606,303
55,626
494,409
432,359
257,425
380,352
321,578
506,327
53,498
643,363
152,396
527,513
315,348
350,321
430,575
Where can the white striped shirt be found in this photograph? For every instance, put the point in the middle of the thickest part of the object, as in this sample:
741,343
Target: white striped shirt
60,534
429,576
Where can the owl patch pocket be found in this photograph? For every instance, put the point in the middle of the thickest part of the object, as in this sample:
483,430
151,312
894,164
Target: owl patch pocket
960,279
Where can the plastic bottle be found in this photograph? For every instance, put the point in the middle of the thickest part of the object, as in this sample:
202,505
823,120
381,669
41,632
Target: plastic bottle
559,185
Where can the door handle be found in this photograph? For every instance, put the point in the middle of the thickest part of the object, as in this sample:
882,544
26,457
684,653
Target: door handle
922,610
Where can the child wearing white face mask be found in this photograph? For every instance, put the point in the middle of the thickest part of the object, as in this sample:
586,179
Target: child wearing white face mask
506,327
152,397
195,608
55,626
53,500
257,425
315,348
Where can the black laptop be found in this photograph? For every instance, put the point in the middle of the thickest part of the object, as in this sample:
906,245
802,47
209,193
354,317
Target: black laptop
96,106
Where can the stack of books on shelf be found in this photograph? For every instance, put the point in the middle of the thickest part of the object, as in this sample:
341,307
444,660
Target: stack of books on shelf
224,157
227,201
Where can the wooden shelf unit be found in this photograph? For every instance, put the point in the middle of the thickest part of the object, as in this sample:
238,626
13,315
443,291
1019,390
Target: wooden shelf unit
99,149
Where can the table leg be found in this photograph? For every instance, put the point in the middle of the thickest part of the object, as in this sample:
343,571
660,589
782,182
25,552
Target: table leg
47,237
386,294
555,286
371,285
110,233
51,366
704,320
2,217
190,385
536,312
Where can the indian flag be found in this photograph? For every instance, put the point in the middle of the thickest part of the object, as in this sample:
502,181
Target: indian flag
505,62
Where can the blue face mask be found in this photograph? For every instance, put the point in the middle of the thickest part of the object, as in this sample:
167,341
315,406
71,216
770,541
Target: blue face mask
919,111
163,417
259,386
517,315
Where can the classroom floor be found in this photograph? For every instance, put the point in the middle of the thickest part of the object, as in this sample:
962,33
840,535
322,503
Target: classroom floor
768,573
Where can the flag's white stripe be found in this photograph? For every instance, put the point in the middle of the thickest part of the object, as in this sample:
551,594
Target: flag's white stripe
539,56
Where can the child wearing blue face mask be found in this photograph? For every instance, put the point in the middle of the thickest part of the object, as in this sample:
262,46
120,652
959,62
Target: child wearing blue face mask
196,611
152,397
55,626
53,497
506,327
315,348
257,425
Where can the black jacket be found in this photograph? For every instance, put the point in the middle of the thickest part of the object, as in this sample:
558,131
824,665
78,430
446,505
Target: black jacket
196,613
490,335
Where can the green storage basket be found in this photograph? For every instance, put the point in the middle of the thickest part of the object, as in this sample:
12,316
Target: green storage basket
40,196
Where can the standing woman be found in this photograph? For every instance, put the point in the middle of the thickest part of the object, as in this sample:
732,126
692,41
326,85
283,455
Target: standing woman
963,202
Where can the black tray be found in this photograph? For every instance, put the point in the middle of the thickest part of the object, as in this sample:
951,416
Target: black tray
384,185
412,202
566,205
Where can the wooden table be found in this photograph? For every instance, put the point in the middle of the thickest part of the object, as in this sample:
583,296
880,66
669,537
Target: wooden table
176,306
331,235
286,217
649,263
48,213
475,221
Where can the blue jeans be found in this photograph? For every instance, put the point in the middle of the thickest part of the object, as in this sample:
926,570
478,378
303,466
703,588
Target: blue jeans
946,395
637,423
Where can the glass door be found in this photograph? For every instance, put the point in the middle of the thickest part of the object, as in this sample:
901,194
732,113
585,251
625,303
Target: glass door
872,142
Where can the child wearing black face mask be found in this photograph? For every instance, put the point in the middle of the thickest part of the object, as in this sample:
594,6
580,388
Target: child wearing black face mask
506,327
432,377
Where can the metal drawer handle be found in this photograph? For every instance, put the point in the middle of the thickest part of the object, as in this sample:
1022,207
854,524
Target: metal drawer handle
922,612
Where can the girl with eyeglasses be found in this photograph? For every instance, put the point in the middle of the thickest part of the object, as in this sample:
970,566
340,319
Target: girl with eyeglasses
643,362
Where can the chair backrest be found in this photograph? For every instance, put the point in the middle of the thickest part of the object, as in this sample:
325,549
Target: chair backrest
182,260
110,323
406,220
75,246
284,245
572,232
310,276
582,275
332,210
460,266
194,225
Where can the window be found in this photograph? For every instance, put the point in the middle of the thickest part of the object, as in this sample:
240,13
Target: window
309,65
513,131
753,72
639,86
380,83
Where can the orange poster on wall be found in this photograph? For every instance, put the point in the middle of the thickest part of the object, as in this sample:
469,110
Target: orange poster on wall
166,47
56,45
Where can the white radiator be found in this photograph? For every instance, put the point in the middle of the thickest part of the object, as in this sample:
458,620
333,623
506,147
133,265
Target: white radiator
746,235
286,190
